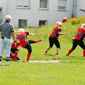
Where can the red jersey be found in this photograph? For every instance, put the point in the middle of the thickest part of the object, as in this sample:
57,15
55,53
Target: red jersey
80,34
15,46
22,38
55,32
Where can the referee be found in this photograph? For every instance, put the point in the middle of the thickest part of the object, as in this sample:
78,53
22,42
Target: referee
6,31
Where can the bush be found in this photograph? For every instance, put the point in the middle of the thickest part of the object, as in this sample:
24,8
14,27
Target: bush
78,20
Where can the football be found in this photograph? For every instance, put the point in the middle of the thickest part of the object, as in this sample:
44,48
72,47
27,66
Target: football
64,19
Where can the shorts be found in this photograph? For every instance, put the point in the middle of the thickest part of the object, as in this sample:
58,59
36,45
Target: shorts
53,40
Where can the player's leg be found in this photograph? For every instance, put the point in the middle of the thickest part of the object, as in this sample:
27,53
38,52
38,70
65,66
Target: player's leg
12,52
16,53
50,45
56,42
8,47
57,51
35,41
29,53
18,58
83,52
3,45
11,56
28,47
31,41
48,48
75,43
81,44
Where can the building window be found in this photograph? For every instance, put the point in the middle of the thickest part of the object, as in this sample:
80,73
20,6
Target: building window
43,4
22,23
23,3
42,22
62,4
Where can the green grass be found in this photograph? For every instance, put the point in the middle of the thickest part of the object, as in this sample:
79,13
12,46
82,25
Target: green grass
69,71
24,73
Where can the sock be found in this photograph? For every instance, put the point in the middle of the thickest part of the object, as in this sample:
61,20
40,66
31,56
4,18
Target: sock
35,41
56,53
15,57
45,51
7,62
11,57
70,51
0,62
0,59
28,56
84,52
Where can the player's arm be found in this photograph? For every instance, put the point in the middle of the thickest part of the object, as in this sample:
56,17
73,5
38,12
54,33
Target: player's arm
13,35
20,49
16,31
62,33
12,54
59,38
32,34
16,40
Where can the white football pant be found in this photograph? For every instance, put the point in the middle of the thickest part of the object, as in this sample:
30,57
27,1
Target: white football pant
5,45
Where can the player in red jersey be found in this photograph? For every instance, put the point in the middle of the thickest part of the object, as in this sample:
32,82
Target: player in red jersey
78,40
14,51
22,37
53,39
64,19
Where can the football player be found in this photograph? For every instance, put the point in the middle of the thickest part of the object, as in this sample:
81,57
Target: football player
78,40
22,37
54,36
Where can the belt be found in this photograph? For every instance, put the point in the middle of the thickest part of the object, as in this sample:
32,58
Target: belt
6,37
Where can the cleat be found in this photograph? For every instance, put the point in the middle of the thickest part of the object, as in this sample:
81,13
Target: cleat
57,54
41,38
14,60
67,55
45,52
23,60
7,65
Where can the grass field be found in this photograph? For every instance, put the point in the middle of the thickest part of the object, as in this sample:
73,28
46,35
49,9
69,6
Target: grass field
69,71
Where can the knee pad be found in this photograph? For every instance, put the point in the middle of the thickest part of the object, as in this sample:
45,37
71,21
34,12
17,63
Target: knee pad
0,58
7,58
30,51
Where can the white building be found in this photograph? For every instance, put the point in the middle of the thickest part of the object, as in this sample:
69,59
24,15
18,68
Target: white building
33,13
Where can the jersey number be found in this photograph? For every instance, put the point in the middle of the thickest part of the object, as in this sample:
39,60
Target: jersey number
22,37
79,33
53,32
